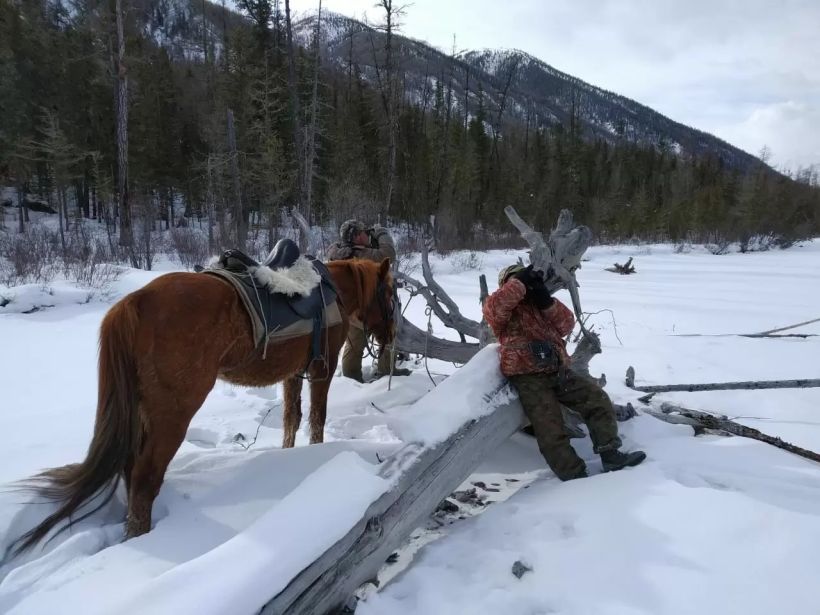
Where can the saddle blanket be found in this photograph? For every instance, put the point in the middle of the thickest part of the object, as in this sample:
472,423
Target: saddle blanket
287,302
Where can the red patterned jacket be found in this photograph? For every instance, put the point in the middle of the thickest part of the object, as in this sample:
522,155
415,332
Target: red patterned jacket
515,323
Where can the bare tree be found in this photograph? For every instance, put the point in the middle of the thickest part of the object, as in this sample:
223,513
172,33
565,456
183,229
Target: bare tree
511,73
240,215
296,114
313,127
121,72
386,78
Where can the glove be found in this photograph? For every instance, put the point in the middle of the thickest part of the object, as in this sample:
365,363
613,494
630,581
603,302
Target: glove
537,292
344,252
526,276
540,296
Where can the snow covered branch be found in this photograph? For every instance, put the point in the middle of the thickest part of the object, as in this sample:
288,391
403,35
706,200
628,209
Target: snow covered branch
700,420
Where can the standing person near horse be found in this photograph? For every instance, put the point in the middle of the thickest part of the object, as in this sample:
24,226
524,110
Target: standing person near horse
531,326
360,242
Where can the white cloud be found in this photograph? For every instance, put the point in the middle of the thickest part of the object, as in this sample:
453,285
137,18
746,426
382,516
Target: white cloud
791,129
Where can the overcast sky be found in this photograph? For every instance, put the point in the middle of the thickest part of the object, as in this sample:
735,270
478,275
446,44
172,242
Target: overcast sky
746,70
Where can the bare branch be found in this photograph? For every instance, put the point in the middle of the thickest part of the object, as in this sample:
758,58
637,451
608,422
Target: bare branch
751,385
678,414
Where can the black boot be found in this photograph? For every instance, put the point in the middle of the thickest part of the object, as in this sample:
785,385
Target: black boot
617,460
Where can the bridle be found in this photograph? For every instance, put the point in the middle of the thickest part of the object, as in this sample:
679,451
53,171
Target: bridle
387,310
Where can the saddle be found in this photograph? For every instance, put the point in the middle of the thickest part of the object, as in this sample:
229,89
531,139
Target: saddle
283,256
276,314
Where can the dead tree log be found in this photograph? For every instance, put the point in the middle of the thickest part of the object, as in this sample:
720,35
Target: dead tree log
557,258
422,477
412,340
624,269
751,385
444,308
672,413
772,333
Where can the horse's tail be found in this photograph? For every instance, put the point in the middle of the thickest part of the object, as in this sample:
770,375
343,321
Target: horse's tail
116,431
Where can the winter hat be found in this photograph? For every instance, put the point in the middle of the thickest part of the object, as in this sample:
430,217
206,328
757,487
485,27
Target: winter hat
508,271
351,228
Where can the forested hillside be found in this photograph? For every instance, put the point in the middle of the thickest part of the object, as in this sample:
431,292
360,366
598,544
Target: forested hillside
149,113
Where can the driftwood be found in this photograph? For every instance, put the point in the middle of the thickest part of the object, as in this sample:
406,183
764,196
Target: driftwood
310,238
422,477
751,385
557,259
672,413
624,269
445,309
485,334
412,340
560,256
772,333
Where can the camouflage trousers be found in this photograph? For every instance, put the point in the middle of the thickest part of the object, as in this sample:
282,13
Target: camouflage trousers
541,396
354,351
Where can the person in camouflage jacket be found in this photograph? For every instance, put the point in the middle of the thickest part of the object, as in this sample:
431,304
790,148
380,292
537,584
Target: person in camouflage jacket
359,241
531,326
375,244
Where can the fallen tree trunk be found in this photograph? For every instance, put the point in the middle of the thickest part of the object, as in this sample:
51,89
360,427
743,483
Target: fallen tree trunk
672,413
721,386
422,477
412,340
771,333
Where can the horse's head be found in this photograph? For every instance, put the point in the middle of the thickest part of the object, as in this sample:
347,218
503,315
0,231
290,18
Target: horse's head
379,303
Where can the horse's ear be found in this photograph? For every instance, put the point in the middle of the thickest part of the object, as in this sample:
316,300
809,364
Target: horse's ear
384,268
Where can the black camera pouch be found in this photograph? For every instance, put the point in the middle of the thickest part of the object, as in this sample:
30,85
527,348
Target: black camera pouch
544,355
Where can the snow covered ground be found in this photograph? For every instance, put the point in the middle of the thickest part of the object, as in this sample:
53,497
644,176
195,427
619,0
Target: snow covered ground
706,525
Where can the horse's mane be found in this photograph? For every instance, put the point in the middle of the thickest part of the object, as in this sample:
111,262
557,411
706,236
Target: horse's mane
365,276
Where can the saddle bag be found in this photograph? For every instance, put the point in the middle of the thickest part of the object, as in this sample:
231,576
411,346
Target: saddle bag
544,355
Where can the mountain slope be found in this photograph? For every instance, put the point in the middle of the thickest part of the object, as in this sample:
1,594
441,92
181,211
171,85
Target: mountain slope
537,92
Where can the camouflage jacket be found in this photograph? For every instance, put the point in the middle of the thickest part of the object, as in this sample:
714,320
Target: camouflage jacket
381,247
516,322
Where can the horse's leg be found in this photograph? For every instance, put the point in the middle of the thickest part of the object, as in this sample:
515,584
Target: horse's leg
165,422
321,376
159,446
292,410
318,409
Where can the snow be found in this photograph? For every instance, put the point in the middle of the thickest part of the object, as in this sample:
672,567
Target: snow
28,298
428,423
707,524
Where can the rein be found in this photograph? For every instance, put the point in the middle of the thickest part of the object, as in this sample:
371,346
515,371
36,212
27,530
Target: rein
386,309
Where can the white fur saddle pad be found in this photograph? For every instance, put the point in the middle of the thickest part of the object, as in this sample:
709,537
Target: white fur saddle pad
299,279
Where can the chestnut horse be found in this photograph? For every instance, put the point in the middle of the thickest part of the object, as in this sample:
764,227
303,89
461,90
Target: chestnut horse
162,349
